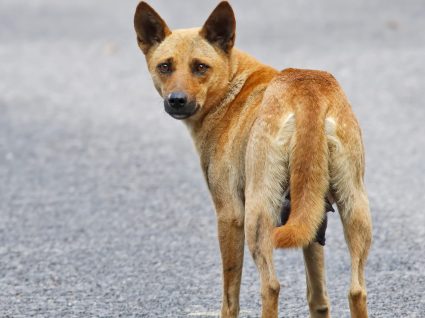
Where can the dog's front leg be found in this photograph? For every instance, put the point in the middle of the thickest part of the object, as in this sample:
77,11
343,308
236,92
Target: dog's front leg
230,222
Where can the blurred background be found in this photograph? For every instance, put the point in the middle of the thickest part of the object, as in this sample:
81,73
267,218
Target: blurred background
103,208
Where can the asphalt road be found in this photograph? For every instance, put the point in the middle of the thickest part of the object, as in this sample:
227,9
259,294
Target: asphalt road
103,209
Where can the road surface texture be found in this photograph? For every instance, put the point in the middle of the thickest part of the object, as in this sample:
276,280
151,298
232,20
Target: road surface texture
103,208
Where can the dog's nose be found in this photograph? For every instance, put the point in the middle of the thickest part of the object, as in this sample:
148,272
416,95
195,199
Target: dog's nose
177,100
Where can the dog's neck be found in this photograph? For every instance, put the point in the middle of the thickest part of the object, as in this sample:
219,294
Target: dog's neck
242,67
248,77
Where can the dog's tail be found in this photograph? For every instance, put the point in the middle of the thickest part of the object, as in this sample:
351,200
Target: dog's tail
309,176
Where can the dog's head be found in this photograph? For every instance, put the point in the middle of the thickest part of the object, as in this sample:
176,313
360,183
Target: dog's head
189,67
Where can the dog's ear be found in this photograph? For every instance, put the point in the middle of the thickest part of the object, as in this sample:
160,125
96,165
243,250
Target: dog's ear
220,27
149,26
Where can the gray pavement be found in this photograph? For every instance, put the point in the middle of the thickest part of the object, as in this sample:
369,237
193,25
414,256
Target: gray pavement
103,209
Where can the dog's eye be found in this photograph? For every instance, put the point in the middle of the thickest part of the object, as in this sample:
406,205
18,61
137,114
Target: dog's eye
201,68
164,68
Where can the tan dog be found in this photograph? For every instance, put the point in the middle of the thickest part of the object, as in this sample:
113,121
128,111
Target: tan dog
260,132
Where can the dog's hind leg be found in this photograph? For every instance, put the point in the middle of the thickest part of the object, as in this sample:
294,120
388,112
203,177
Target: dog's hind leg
357,224
317,295
267,178
258,228
259,224
347,187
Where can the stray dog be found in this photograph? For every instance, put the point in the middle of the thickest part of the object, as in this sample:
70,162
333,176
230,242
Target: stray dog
260,134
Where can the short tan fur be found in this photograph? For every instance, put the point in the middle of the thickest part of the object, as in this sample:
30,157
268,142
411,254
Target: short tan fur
259,133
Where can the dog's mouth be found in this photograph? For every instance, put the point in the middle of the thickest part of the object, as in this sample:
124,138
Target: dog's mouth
180,116
185,113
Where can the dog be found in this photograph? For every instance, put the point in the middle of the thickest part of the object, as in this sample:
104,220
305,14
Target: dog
261,134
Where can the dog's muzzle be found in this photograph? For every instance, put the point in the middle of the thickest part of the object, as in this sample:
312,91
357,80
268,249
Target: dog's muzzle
178,106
